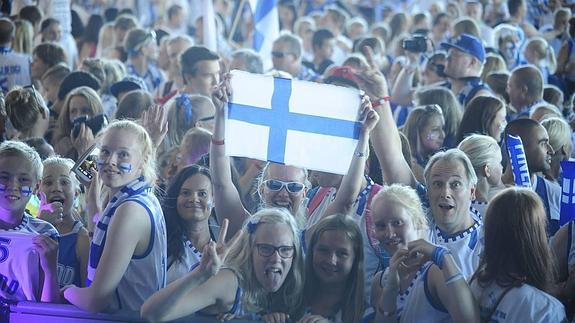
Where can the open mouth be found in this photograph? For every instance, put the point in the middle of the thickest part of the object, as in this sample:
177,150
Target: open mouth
56,199
446,206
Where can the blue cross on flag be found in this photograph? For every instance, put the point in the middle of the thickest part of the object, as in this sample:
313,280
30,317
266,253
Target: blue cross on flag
292,122
567,192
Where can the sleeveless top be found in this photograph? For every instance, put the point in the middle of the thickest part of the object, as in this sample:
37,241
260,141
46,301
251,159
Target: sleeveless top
415,303
68,264
146,273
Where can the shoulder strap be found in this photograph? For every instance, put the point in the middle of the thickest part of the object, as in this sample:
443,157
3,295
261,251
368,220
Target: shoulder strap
487,319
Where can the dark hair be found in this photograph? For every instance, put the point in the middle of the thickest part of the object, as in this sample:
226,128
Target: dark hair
7,30
92,31
530,77
438,18
173,10
516,249
513,6
174,223
553,95
47,22
39,145
497,81
77,25
125,22
110,14
478,116
195,54
31,13
50,53
319,36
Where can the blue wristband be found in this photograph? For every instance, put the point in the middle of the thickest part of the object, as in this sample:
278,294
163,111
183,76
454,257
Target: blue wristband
438,255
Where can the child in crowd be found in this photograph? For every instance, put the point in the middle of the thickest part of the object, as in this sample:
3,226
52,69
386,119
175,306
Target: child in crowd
59,190
28,246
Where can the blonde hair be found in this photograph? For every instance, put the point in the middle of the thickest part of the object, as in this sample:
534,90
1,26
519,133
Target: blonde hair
56,161
543,53
559,133
493,63
24,107
145,143
197,143
254,296
20,149
23,37
481,151
408,199
178,127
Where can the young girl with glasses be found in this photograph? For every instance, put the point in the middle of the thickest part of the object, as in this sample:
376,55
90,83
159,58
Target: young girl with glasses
263,273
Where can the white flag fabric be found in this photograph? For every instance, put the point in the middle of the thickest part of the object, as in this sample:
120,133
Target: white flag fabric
292,122
210,32
266,28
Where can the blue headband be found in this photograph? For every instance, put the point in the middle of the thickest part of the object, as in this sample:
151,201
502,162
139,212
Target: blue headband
183,102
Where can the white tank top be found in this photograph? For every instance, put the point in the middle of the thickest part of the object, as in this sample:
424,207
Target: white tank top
19,267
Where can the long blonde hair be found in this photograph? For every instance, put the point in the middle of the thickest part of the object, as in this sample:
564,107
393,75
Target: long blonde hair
255,298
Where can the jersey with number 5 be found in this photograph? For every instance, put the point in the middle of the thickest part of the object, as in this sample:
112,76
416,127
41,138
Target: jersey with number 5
19,267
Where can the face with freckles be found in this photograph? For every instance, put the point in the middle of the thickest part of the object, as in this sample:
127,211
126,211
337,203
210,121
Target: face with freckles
272,266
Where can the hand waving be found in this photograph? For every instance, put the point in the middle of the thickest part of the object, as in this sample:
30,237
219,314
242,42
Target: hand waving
155,120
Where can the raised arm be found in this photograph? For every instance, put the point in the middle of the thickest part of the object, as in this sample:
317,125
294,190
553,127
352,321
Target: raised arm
227,199
351,183
385,136
201,288
128,234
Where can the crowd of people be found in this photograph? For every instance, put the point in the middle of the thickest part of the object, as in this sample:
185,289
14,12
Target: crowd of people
428,224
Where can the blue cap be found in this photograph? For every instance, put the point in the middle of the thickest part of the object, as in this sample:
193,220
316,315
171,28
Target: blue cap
468,44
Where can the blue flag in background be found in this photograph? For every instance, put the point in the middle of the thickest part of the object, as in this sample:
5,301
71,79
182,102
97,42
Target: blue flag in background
518,161
567,192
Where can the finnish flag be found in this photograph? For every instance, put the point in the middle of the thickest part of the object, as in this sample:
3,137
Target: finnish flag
567,192
292,122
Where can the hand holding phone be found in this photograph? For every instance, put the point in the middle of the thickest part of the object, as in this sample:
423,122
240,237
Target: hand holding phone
86,164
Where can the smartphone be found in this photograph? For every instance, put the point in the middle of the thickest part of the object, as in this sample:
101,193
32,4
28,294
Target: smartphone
86,163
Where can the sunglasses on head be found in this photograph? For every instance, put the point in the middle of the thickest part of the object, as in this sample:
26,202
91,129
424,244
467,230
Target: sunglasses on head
277,185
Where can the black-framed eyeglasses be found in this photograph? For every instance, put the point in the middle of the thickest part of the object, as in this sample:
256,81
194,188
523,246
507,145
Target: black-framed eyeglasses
277,185
267,250
280,54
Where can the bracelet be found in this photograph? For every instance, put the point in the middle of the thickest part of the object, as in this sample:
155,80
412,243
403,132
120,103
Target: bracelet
359,154
454,278
379,102
218,142
438,256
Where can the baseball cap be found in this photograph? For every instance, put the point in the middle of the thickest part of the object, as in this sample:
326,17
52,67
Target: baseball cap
468,44
344,75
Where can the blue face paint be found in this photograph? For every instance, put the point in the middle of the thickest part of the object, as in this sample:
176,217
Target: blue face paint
125,168
24,190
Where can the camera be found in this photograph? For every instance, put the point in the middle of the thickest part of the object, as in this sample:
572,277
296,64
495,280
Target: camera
416,44
96,124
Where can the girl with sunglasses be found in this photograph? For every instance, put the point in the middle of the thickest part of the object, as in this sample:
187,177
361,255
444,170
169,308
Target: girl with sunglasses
422,282
263,273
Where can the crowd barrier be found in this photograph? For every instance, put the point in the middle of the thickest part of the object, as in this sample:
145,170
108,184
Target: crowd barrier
31,312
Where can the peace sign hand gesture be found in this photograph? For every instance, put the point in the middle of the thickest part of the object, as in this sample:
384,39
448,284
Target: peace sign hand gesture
214,253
